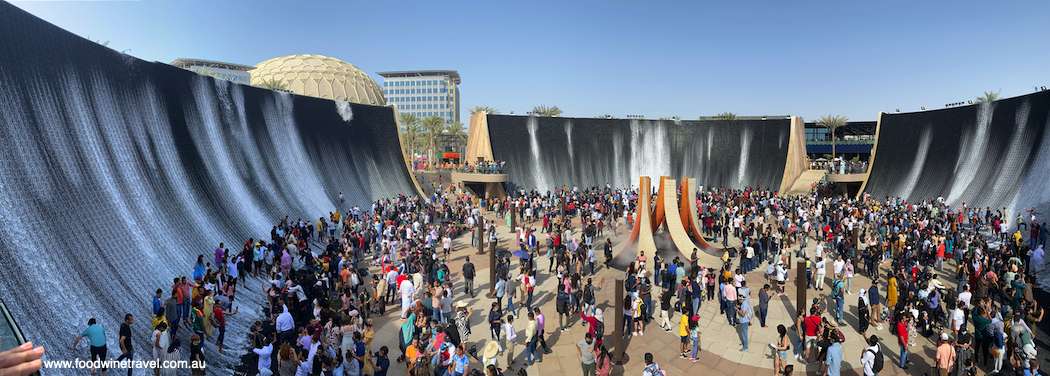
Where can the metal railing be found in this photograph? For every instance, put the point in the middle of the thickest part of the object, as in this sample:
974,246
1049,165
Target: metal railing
840,168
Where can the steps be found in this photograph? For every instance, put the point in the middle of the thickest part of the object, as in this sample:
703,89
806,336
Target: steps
803,185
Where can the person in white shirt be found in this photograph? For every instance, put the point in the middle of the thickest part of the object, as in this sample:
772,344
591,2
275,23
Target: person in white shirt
958,316
867,358
781,279
408,290
511,336
965,296
264,357
285,324
839,263
821,272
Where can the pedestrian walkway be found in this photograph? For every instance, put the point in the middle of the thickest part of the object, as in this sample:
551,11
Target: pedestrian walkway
719,354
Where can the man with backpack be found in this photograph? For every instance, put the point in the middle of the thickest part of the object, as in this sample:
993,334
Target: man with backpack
588,296
562,305
468,275
837,292
872,357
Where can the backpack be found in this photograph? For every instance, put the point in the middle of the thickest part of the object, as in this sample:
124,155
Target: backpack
588,295
836,289
563,302
654,370
877,365
468,271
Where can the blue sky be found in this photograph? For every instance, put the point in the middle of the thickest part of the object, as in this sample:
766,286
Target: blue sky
652,58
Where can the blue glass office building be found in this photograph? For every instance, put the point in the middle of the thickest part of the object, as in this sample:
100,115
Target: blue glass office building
424,93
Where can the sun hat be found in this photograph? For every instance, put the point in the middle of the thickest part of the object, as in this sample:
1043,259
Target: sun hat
491,350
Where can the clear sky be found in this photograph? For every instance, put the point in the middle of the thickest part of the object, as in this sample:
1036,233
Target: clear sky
651,58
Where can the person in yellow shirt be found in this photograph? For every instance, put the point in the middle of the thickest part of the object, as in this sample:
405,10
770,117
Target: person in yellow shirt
891,292
160,318
683,332
209,303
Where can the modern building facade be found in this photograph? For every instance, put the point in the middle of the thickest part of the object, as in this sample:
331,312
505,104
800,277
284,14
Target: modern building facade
227,71
855,139
424,93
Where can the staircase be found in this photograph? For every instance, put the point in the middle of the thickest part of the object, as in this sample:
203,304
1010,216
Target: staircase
804,184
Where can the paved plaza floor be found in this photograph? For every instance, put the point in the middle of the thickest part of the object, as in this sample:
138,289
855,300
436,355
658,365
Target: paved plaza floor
720,351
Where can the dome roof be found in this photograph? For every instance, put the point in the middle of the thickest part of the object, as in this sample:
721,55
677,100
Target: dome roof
321,77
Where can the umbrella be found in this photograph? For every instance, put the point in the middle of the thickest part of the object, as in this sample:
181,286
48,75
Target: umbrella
822,160
522,254
503,253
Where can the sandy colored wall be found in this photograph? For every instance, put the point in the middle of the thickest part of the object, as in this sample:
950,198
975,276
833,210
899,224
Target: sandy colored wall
796,162
478,143
871,159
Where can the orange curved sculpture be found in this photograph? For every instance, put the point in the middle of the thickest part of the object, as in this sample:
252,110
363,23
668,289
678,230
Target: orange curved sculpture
658,214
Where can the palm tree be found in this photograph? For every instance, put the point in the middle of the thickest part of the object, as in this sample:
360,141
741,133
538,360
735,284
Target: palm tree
273,84
456,129
989,97
726,116
410,136
483,109
433,125
832,122
542,110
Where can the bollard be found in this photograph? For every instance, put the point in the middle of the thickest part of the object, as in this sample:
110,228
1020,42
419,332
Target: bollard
619,348
800,286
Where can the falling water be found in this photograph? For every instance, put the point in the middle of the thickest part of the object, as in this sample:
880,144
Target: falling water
539,173
917,165
745,153
971,154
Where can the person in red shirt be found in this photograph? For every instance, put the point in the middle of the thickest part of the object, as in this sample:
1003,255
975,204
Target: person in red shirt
812,326
220,317
902,339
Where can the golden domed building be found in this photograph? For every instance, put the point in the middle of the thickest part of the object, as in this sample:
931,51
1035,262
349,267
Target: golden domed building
319,76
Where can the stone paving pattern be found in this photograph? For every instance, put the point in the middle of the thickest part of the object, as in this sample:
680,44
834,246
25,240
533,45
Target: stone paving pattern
719,353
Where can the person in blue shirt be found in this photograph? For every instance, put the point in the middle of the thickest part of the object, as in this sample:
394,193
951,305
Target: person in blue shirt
97,337
460,362
380,362
198,269
746,313
157,303
874,303
834,357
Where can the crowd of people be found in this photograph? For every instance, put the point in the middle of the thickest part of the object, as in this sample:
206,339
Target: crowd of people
478,167
902,247
326,281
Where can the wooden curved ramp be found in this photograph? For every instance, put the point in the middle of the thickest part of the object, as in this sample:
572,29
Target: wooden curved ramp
641,238
661,209
676,227
689,216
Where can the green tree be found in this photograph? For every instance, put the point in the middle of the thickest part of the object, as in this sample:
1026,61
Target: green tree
483,109
410,137
456,129
433,125
989,96
542,110
726,116
832,122
273,84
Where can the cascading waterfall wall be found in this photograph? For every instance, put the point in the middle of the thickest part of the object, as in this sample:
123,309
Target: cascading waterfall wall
546,153
987,155
118,172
